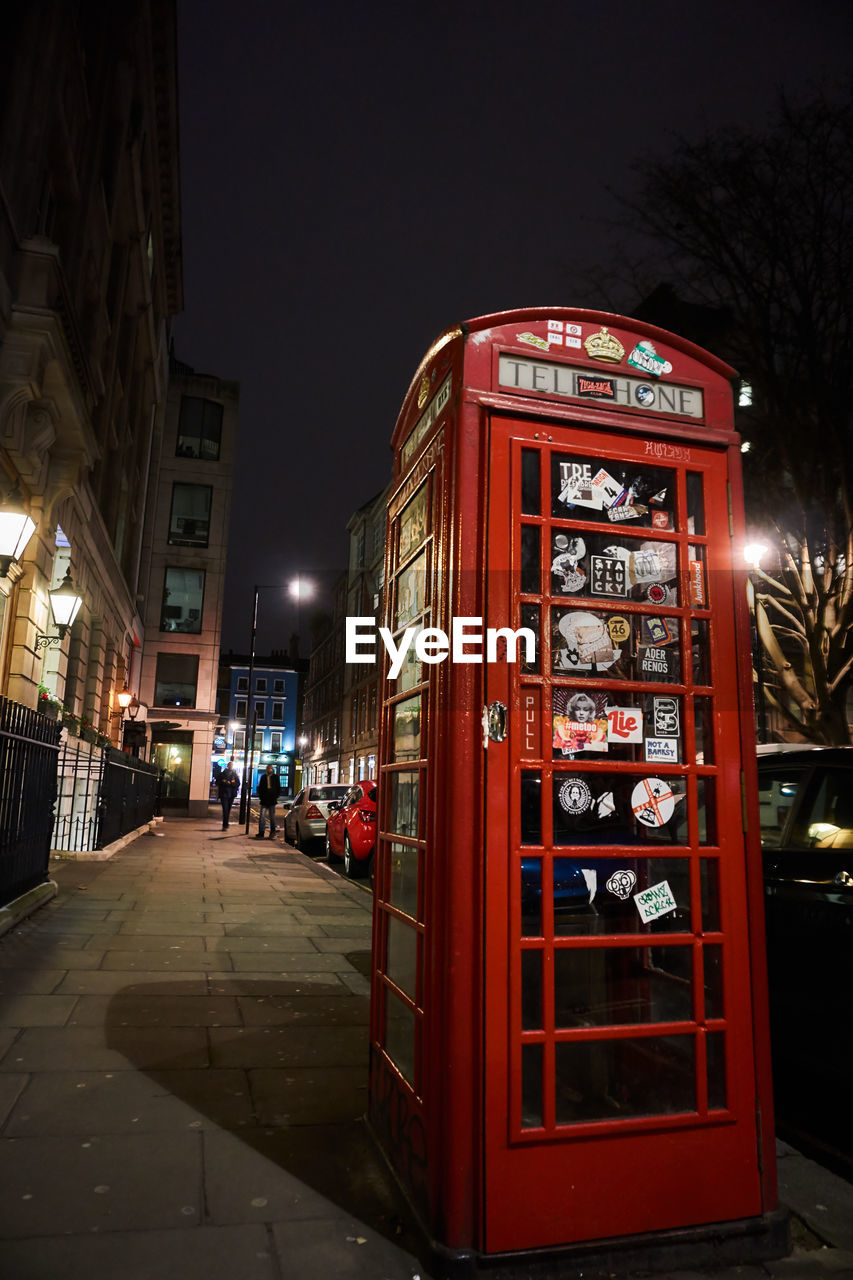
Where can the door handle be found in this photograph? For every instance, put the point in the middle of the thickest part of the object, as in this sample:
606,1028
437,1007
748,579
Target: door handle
495,723
844,880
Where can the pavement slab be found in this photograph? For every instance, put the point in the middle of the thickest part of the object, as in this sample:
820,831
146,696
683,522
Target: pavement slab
106,1048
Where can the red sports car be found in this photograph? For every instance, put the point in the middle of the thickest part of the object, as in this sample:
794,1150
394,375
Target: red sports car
351,829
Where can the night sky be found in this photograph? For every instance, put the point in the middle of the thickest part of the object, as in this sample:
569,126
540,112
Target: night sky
358,176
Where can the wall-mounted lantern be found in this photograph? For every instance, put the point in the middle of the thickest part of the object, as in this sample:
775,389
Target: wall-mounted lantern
16,529
64,605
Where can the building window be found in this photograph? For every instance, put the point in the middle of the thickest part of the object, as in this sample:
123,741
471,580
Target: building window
261,684
241,709
360,768
176,680
371,722
242,684
371,766
275,741
189,522
183,595
278,711
199,429
278,686
239,739
260,712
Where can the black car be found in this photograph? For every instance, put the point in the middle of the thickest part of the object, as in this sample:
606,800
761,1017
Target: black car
806,806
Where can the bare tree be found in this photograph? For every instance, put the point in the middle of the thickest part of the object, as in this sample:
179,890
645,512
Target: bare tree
756,230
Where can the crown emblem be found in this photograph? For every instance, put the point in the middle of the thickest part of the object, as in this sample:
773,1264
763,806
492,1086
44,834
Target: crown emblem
423,391
603,346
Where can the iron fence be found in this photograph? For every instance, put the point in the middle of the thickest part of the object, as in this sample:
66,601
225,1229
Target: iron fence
29,745
102,794
129,795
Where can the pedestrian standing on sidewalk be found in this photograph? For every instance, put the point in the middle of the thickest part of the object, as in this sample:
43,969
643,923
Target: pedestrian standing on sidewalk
269,790
228,784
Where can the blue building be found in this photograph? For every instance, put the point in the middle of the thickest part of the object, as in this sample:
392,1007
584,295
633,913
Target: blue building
272,706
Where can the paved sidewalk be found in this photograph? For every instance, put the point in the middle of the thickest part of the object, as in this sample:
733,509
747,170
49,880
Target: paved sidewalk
183,1044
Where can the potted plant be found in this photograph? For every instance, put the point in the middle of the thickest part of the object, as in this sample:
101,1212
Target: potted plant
88,732
47,704
71,722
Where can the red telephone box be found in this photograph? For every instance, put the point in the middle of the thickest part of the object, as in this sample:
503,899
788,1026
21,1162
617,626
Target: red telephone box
569,1040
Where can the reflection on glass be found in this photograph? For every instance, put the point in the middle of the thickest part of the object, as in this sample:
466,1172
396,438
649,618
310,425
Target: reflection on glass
531,807
701,656
713,957
703,715
401,963
617,1079
611,986
403,886
530,559
413,524
183,596
412,591
597,895
531,1086
411,672
531,990
706,794
531,897
709,873
588,488
400,1035
405,797
695,503
530,614
715,1049
610,808
531,487
407,729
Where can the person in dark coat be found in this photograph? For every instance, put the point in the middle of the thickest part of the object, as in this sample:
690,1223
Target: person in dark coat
269,790
227,784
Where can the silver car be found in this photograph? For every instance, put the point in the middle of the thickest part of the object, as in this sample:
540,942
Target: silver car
305,819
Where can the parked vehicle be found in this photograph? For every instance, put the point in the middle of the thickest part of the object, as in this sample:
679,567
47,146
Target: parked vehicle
806,806
305,818
351,829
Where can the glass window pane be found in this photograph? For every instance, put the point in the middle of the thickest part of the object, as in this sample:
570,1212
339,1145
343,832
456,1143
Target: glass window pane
609,808
777,793
713,958
189,521
183,597
706,793
407,729
404,803
530,483
715,1050
617,1079
531,807
531,990
825,820
601,489
411,591
403,886
598,895
603,986
701,652
703,713
531,581
400,1035
401,961
176,680
531,1086
695,503
530,614
531,897
413,524
709,873
199,429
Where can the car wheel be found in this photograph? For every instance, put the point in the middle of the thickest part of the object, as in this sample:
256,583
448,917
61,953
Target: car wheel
353,868
331,856
297,840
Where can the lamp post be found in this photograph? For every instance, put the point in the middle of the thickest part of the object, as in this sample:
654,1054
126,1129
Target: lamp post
301,589
752,554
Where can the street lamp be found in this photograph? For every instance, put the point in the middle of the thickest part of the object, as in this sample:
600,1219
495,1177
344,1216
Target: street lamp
752,554
301,589
16,529
64,605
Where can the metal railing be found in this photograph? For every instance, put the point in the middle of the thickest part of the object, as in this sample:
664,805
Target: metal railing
129,795
29,746
102,794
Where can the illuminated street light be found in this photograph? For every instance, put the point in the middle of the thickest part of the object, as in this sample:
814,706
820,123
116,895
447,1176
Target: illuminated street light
64,605
753,553
16,529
